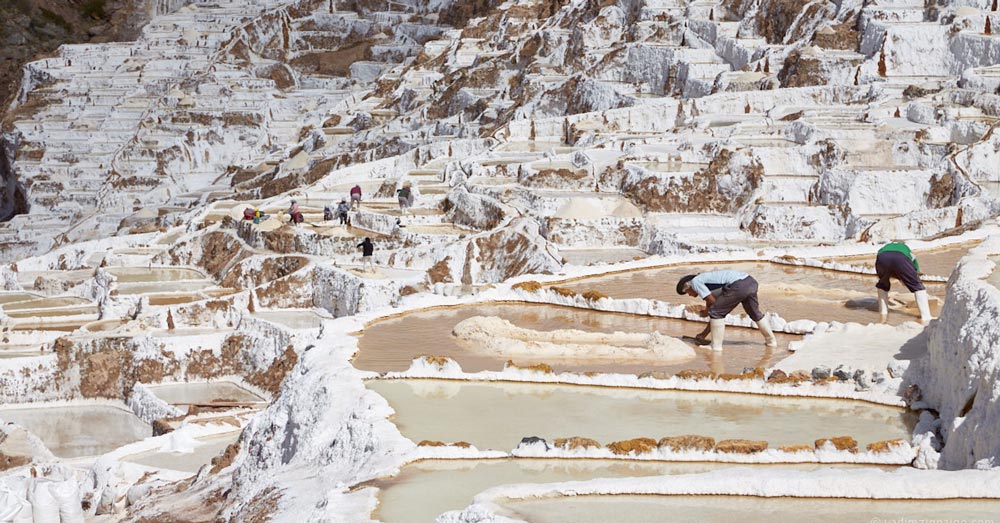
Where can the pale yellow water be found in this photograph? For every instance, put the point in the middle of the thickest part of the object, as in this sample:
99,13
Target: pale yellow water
154,274
392,344
426,489
498,415
937,262
729,509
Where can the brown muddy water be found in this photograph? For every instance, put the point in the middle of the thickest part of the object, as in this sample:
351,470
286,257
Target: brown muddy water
393,343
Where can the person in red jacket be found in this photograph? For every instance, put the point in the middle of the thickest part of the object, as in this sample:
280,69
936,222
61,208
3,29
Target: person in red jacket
355,197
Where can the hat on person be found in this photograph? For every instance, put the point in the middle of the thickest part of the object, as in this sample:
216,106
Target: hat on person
684,284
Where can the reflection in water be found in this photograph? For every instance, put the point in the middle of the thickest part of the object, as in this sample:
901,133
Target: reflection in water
726,509
174,393
391,344
517,410
81,430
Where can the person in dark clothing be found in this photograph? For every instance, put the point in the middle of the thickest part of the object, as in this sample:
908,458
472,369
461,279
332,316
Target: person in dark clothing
894,260
342,209
367,249
722,292
405,198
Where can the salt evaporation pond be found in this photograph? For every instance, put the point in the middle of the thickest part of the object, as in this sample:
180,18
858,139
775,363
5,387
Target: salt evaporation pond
793,292
393,343
745,509
80,430
425,489
937,262
451,411
203,392
298,319
208,448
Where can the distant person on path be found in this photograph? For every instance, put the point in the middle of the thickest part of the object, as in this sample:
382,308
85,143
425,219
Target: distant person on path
342,209
294,214
356,197
722,292
405,198
894,260
367,249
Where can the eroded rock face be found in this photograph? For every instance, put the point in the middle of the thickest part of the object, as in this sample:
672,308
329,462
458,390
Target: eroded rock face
724,186
740,446
632,446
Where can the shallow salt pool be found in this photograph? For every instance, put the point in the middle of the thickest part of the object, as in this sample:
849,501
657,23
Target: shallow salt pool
425,489
727,509
452,411
203,392
80,430
393,343
793,292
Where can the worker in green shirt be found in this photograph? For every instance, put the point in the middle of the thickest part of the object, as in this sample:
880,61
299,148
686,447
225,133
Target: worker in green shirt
895,260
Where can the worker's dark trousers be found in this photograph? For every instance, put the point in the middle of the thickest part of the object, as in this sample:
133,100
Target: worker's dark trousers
892,264
739,292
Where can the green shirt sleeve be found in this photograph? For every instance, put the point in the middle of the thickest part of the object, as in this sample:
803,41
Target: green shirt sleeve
916,265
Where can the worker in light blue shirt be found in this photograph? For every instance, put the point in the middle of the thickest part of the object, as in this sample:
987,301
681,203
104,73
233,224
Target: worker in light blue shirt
722,292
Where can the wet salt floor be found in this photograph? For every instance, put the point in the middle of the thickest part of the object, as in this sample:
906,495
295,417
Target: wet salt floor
452,411
793,292
711,509
392,344
200,393
426,489
187,461
80,430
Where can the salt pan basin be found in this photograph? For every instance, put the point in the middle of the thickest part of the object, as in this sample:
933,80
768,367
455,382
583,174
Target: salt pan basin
391,344
726,509
425,489
498,415
203,392
80,430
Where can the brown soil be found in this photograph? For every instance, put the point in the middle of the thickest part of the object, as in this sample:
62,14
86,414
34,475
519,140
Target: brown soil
740,446
538,367
272,378
439,272
269,269
942,192
842,36
637,446
884,446
528,286
688,442
576,443
333,63
839,442
699,193
224,460
795,448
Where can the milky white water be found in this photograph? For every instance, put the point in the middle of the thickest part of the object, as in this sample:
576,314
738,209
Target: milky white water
498,415
729,509
208,448
80,430
425,489
175,393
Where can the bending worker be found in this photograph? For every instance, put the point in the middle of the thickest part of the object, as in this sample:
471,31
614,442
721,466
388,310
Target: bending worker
895,260
722,292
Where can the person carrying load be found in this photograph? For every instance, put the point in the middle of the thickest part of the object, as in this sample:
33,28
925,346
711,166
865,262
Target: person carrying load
895,260
722,292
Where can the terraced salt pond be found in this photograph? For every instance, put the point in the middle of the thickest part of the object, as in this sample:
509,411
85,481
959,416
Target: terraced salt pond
792,292
745,509
203,393
937,262
389,344
80,430
425,489
451,411
208,448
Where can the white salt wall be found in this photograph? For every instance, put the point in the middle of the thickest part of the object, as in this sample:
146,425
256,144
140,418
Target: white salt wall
960,376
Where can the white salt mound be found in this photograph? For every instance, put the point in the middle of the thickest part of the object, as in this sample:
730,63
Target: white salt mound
502,338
